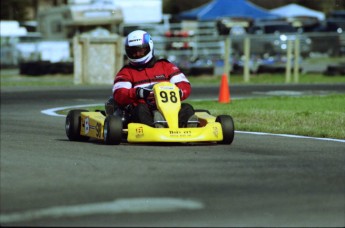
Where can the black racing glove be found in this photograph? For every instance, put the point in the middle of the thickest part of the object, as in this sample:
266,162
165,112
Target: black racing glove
142,93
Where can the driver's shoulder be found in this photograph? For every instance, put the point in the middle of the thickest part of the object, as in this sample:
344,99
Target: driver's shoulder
163,60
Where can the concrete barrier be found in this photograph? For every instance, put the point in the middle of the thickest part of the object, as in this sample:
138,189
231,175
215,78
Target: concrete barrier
97,59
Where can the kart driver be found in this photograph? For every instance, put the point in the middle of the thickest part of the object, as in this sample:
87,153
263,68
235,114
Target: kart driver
133,83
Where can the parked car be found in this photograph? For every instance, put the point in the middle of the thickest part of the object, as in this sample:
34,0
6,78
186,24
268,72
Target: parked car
328,36
271,38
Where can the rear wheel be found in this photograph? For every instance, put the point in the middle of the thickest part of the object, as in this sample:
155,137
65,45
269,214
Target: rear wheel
112,130
72,126
228,128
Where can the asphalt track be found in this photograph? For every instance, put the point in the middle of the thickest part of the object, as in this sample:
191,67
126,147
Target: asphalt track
259,180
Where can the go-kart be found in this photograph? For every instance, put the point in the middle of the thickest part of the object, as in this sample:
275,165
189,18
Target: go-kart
81,125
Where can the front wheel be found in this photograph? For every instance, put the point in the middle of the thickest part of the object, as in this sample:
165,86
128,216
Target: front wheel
72,126
228,128
112,130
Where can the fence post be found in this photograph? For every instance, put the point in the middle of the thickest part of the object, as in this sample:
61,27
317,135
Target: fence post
288,61
246,75
227,57
296,60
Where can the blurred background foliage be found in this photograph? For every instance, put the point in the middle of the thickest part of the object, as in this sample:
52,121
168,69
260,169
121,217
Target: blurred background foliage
15,9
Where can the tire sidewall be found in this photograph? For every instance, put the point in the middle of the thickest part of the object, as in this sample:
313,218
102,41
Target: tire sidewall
73,125
112,130
228,128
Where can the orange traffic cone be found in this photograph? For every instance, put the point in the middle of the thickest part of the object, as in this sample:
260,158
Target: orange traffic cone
224,92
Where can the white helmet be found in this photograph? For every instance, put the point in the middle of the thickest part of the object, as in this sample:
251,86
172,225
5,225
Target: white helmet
139,47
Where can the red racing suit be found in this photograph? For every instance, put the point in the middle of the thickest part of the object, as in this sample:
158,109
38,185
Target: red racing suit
131,77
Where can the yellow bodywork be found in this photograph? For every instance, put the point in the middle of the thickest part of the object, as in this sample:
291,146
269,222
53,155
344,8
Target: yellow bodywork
169,104
144,133
92,124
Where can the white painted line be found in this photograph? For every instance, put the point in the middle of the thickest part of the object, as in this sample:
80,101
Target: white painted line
291,136
135,205
52,112
280,93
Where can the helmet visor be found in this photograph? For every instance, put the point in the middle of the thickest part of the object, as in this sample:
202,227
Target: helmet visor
137,52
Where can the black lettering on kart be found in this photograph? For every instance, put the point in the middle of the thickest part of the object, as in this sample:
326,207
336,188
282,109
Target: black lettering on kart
98,130
180,133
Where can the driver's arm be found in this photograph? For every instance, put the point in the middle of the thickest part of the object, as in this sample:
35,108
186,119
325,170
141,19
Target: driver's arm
123,92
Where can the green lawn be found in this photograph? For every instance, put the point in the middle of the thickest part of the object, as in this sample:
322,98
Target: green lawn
67,80
319,116
267,79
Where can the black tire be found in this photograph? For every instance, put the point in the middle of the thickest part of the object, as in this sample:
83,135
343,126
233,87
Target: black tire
73,124
228,128
112,130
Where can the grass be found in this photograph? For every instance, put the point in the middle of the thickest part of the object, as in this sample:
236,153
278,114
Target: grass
11,80
267,79
318,116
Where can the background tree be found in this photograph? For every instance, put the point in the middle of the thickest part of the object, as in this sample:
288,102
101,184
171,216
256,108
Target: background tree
15,9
